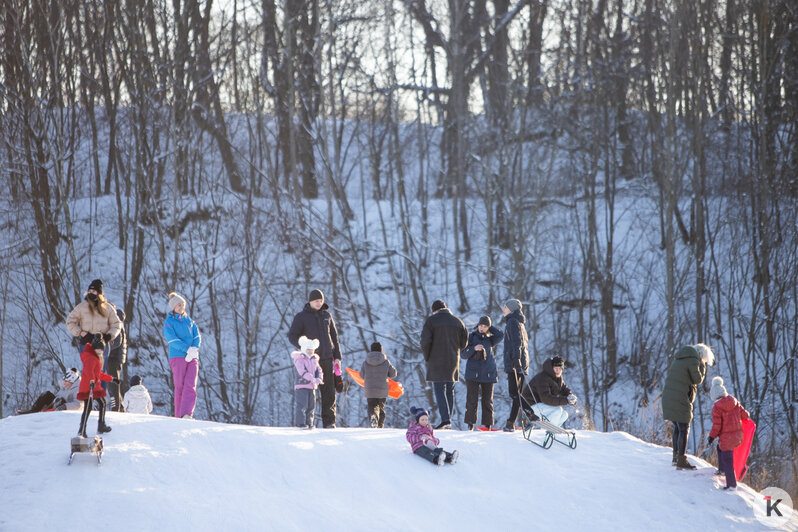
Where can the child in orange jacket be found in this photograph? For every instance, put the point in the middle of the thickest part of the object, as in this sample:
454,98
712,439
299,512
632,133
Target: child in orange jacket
92,358
727,427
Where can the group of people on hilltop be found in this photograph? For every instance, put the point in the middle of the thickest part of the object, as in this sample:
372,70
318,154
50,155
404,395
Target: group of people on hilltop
445,341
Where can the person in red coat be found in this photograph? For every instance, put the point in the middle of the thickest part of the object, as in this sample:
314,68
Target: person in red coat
727,427
92,358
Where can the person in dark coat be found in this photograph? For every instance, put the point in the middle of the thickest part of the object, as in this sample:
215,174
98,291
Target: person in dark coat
376,370
516,355
481,373
442,338
315,322
686,372
117,355
546,393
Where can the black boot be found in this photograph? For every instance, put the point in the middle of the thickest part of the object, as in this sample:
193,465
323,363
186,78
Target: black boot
102,428
84,418
683,463
674,459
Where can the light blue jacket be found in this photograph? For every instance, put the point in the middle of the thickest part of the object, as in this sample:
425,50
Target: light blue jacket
181,333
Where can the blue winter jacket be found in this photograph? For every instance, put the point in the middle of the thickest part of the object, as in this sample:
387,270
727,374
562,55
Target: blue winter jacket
479,369
516,353
181,333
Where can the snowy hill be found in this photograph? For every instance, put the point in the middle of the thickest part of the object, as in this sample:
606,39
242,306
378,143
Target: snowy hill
161,473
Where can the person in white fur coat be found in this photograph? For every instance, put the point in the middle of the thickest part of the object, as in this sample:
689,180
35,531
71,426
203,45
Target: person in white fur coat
137,399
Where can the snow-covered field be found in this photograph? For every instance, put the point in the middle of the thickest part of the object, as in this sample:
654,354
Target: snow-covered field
161,473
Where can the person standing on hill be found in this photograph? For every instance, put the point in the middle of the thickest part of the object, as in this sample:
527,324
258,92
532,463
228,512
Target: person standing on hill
376,370
442,338
315,322
516,356
184,339
727,426
481,373
687,371
117,355
94,315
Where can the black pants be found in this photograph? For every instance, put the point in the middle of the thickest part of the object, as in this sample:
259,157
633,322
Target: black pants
429,454
680,433
515,383
473,391
43,402
376,407
113,367
726,464
327,390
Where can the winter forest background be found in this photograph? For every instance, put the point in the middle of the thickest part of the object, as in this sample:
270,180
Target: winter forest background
628,169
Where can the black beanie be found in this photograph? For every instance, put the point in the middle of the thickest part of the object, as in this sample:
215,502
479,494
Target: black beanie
97,342
376,347
484,320
97,285
135,380
417,412
557,360
437,305
316,294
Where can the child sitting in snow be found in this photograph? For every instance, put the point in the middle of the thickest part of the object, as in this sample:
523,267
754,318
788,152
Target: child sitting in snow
727,427
309,376
64,399
423,441
137,399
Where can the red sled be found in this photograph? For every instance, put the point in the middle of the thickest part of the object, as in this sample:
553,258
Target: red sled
395,389
741,452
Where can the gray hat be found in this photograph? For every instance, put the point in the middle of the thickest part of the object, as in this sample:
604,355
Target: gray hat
513,305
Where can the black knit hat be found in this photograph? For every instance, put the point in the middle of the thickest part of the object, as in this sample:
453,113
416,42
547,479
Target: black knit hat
97,342
557,360
316,294
484,320
135,380
417,412
376,347
437,305
97,285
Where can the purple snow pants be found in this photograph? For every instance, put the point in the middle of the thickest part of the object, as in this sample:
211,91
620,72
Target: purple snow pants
185,377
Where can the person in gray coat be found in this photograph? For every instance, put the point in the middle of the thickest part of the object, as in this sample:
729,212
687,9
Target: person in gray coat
442,339
376,370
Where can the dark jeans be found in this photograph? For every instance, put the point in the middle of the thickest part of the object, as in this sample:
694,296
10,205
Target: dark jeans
428,454
473,391
680,433
44,402
376,407
726,464
444,396
113,367
515,382
327,390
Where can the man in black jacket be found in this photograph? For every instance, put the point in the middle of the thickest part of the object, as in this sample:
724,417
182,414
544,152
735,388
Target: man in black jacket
442,338
316,323
547,392
117,355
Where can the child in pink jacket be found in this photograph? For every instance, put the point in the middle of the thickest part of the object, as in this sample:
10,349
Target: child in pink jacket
309,376
423,441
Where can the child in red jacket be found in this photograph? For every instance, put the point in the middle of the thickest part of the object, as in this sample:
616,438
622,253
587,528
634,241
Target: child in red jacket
92,358
727,427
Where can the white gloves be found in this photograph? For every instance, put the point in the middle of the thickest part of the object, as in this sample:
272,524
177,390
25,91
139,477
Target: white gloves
571,399
192,353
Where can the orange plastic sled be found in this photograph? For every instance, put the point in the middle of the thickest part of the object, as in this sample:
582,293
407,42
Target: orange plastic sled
395,389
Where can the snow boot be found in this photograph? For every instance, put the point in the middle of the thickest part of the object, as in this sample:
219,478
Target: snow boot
444,425
440,458
102,428
509,427
451,458
674,460
373,421
682,463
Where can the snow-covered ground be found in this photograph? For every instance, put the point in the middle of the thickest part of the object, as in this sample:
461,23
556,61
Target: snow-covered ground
161,473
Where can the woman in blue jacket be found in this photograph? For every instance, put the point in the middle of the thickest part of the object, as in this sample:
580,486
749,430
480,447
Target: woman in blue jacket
184,339
481,373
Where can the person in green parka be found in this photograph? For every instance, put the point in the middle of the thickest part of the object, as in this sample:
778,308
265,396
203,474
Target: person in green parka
687,371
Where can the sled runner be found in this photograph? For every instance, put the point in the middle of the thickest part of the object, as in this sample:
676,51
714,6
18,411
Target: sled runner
553,433
87,445
395,389
742,451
